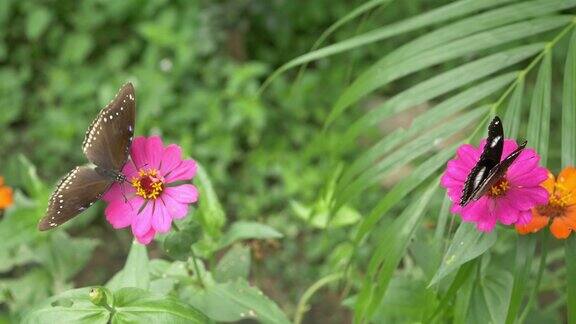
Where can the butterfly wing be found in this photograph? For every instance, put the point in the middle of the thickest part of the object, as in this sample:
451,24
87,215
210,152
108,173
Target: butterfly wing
489,158
78,190
107,141
498,172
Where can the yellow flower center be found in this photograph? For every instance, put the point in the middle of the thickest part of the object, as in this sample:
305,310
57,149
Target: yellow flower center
557,203
148,184
499,188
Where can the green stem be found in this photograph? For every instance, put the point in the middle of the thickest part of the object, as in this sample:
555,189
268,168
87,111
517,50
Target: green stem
303,303
194,261
196,268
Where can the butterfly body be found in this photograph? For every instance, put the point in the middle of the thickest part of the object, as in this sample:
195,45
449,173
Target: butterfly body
489,169
106,146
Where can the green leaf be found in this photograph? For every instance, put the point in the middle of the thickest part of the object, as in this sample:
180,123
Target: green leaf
388,254
569,106
407,301
422,53
65,256
570,257
421,123
235,301
450,11
72,306
37,22
400,190
242,230
345,216
235,264
407,153
468,243
462,276
538,130
178,243
135,272
513,114
135,305
489,300
526,245
210,213
443,83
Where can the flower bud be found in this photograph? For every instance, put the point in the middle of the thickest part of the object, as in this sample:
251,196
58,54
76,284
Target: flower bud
97,296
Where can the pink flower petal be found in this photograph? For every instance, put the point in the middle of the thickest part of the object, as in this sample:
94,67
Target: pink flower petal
129,170
184,171
146,238
505,213
171,158
175,209
185,193
119,191
526,198
468,155
154,150
142,222
524,217
486,225
475,210
120,213
138,152
161,220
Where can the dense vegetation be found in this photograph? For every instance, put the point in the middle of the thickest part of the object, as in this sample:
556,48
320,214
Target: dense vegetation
319,179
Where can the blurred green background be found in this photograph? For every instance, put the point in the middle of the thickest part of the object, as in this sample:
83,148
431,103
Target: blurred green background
197,67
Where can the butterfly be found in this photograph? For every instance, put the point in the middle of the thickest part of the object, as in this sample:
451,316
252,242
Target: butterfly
489,169
106,146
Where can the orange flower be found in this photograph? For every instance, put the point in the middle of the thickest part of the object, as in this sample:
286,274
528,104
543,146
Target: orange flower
5,195
561,209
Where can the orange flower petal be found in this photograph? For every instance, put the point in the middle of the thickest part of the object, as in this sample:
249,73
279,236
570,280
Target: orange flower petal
549,183
567,183
570,216
6,199
536,223
559,228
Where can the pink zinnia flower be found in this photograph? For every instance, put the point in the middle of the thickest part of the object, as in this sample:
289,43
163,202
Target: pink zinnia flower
509,201
153,199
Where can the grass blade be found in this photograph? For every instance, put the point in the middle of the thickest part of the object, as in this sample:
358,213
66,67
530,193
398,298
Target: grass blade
538,130
444,83
569,106
415,58
514,110
388,255
526,245
433,116
447,12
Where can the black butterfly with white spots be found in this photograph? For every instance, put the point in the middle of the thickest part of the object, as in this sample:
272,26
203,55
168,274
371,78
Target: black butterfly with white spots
106,146
489,169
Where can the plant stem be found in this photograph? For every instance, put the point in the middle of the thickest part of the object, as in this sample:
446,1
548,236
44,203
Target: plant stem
302,304
196,268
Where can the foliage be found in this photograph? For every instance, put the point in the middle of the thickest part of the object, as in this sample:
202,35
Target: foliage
321,128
